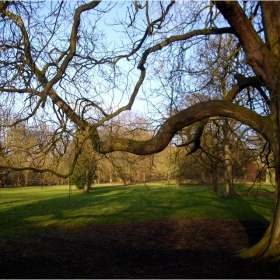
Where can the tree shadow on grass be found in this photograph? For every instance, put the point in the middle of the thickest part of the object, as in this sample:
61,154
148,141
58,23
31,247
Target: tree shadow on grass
123,204
254,224
163,249
122,246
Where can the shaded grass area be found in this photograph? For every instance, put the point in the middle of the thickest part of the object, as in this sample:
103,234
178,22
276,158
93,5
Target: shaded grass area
118,225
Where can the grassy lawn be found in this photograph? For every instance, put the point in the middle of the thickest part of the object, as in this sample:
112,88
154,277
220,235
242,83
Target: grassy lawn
132,232
33,208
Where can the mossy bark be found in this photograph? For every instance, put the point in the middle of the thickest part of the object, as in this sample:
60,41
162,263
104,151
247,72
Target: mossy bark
264,58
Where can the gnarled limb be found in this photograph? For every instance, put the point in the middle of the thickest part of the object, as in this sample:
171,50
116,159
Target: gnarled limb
185,118
242,82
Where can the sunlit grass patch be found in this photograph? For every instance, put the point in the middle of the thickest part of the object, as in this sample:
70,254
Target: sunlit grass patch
30,208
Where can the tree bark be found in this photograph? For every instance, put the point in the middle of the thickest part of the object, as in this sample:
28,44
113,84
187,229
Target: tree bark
270,176
264,59
88,181
182,119
215,183
227,170
227,159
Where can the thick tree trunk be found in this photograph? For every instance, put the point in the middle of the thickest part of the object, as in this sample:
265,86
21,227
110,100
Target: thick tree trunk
264,58
269,245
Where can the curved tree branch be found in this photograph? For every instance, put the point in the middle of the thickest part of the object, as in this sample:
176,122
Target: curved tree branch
72,47
242,82
185,118
182,37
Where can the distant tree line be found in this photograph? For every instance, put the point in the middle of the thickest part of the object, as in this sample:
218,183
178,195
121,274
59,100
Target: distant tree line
245,151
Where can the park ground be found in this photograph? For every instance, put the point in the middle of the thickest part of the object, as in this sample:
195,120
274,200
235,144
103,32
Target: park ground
131,232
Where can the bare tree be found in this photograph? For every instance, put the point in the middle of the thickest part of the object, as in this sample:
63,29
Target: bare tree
126,166
58,67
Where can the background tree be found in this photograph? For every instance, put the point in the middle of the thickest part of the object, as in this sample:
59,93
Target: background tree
86,166
126,167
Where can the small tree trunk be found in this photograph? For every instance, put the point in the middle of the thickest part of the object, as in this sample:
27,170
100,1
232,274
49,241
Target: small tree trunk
228,178
203,177
88,181
227,160
215,186
269,176
26,177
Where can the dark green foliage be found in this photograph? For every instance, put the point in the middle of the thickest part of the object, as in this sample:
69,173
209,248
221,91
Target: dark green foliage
78,178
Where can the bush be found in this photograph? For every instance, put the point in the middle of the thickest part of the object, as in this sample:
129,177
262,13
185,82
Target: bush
78,179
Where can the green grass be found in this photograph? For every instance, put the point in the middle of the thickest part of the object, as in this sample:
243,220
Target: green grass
31,208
